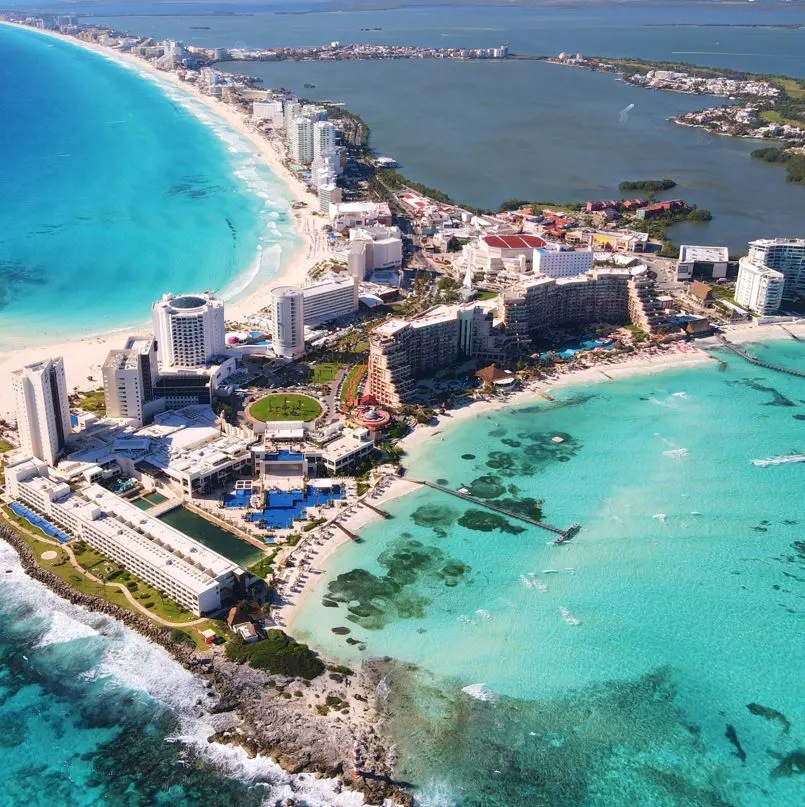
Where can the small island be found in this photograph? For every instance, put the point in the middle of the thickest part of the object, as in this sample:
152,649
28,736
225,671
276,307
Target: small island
647,185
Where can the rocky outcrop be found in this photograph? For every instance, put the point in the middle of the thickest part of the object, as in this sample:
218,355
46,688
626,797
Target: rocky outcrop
286,719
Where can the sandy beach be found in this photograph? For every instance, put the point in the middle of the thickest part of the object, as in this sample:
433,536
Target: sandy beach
357,516
83,356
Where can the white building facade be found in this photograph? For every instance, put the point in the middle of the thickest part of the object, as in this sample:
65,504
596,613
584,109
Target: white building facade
181,568
288,316
129,376
554,260
189,329
300,140
43,411
329,300
759,288
786,255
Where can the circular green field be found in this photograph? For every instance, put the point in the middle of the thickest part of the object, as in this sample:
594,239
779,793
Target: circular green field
285,406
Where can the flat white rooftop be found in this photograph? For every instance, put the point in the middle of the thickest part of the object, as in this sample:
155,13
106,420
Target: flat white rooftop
694,254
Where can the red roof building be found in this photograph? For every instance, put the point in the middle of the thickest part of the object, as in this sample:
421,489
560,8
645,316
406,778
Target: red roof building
514,241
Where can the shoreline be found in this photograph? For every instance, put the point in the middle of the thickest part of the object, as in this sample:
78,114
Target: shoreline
83,355
289,731
536,391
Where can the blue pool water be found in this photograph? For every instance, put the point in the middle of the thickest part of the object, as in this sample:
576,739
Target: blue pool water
239,499
283,507
37,521
116,190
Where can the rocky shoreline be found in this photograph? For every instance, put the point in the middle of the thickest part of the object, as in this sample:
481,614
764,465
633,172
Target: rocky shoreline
305,726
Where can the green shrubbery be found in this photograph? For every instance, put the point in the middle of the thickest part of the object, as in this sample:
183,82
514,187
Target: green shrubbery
279,654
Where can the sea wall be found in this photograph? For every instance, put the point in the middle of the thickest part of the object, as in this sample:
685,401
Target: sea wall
296,730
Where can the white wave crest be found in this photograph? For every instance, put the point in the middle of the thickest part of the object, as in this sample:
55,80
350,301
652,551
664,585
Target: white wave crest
676,453
480,692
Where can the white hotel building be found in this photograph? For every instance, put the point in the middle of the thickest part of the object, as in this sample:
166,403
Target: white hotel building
759,288
330,299
786,255
189,329
186,571
556,260
43,410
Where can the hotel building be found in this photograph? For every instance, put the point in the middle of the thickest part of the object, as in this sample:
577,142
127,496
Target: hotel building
494,258
43,411
400,350
300,140
611,295
359,214
328,300
288,316
189,329
702,262
129,376
786,255
759,288
183,569
557,260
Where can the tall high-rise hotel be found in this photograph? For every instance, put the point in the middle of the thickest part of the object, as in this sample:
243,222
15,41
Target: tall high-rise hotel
43,411
189,329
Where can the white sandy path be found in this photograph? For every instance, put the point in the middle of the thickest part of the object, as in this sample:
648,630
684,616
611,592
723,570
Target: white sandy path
83,356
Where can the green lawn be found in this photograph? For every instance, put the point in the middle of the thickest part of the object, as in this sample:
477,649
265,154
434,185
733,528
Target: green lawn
772,116
325,372
486,295
285,406
5,446
92,401
349,389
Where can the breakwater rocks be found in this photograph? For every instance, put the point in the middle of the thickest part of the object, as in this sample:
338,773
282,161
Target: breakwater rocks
305,726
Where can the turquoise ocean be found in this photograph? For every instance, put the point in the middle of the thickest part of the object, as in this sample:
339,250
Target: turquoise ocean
116,189
93,714
683,682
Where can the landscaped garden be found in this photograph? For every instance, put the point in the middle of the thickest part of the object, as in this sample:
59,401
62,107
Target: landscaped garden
285,406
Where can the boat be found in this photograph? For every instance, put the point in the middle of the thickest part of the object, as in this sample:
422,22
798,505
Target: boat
785,460
550,571
568,617
463,491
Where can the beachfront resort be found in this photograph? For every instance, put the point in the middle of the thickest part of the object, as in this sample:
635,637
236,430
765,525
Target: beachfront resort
265,433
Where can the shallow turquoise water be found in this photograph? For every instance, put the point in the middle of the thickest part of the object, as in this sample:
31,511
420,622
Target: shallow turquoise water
687,578
116,190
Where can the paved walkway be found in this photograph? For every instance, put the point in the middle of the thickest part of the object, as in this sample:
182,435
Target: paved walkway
119,586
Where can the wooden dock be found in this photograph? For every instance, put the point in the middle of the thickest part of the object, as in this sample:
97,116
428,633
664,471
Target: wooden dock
377,510
564,535
347,532
737,349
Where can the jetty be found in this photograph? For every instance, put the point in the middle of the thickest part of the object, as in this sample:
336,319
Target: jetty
564,535
347,532
738,350
377,510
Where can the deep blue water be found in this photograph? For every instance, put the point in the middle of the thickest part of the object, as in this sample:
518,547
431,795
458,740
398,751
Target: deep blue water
114,192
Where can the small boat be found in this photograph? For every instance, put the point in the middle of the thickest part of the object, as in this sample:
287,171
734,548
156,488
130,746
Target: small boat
568,617
550,571
463,491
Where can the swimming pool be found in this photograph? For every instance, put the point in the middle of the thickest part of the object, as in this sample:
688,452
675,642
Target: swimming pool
281,508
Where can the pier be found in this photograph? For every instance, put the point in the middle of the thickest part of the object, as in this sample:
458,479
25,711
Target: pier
347,532
738,350
564,535
377,510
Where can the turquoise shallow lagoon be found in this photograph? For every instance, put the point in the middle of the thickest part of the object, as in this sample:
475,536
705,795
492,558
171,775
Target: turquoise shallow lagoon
683,683
115,190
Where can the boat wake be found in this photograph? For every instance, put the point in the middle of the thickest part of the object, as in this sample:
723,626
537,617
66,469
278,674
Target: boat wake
786,460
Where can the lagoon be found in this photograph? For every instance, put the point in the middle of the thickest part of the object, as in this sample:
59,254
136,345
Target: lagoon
483,132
